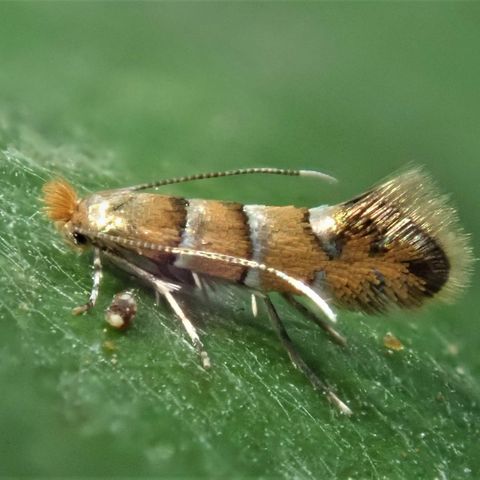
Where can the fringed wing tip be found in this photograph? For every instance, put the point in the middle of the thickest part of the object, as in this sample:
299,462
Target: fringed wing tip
420,199
60,200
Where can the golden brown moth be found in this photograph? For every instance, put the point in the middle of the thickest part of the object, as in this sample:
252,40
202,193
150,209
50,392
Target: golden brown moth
397,245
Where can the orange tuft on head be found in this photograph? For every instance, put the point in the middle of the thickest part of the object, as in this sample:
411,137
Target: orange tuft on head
60,200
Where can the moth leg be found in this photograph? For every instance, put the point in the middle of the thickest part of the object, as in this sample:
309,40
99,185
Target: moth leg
298,361
253,305
158,285
334,335
190,328
198,282
164,289
201,285
97,278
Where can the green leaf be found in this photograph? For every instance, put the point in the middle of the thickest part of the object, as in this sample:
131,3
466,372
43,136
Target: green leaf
108,96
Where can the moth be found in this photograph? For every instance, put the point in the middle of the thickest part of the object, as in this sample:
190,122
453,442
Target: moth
397,245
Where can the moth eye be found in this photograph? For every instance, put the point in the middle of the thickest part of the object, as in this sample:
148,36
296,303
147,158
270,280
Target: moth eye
79,239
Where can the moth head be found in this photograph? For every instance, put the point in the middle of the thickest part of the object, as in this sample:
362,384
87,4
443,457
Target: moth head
61,206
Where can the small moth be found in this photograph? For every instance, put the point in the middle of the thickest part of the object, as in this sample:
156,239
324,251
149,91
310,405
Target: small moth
397,245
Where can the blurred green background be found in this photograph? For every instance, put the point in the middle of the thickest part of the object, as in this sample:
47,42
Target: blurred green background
111,94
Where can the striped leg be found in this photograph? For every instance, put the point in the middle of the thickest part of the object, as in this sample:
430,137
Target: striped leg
165,289
334,335
97,278
298,361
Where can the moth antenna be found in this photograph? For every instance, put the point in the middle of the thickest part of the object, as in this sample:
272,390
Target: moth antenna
60,200
219,257
229,173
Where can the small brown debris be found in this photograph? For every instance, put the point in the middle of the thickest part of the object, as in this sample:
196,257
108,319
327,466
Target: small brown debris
391,342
